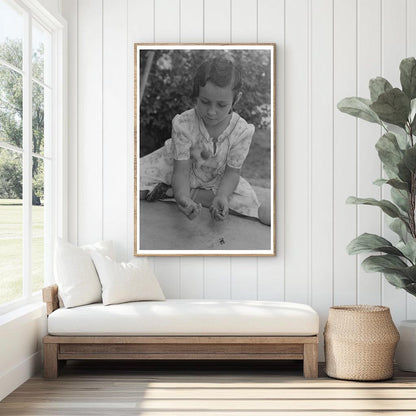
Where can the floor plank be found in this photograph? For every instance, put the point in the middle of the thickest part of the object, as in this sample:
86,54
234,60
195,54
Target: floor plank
226,389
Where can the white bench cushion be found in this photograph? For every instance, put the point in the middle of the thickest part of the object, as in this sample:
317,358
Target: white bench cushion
187,317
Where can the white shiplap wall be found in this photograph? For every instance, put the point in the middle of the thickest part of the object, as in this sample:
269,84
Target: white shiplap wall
326,50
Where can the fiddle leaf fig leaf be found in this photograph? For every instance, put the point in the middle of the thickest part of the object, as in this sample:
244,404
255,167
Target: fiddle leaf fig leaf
359,107
400,198
398,184
410,158
401,139
408,249
411,273
378,86
412,109
381,263
400,228
408,77
392,107
389,151
395,183
380,182
366,243
404,173
388,207
397,280
396,271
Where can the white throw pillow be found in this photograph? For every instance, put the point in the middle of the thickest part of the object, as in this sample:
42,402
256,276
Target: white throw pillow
75,273
126,282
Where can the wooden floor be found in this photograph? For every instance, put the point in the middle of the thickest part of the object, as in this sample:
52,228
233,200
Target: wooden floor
223,389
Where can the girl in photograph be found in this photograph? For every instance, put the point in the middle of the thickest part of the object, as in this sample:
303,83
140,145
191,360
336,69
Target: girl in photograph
200,165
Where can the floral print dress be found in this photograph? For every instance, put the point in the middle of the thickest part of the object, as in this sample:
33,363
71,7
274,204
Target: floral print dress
191,140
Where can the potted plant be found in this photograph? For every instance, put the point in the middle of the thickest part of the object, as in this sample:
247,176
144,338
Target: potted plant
394,109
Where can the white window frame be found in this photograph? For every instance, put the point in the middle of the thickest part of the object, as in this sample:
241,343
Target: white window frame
58,211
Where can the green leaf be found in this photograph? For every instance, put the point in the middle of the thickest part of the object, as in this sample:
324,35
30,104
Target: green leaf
392,107
408,77
366,243
400,198
389,208
400,228
411,273
380,182
410,158
404,173
396,271
359,107
389,151
401,139
411,289
398,184
412,109
397,280
408,249
378,86
381,263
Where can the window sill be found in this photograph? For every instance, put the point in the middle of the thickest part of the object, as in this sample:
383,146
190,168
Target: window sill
35,307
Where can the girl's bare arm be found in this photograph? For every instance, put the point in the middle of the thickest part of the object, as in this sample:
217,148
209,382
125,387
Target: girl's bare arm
180,178
229,182
181,189
219,208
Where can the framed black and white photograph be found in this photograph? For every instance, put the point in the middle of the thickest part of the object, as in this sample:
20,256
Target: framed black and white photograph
204,129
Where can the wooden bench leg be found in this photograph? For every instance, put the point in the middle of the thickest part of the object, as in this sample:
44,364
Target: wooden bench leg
50,360
310,360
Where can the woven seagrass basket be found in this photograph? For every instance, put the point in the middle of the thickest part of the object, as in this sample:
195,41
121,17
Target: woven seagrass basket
360,341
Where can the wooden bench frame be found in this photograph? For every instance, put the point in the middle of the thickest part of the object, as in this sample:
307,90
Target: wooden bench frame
58,349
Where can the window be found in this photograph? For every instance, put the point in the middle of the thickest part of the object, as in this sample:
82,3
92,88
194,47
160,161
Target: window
31,142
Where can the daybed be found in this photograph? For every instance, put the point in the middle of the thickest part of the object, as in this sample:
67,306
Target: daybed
181,329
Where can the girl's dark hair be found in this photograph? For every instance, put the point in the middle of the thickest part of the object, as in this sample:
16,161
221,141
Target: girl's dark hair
220,71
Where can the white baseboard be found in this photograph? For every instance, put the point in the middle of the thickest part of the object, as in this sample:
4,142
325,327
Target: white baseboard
10,380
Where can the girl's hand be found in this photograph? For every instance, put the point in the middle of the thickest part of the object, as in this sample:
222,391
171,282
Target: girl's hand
189,207
219,208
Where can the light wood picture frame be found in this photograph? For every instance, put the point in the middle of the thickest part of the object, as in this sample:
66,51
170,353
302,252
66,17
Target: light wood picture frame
205,150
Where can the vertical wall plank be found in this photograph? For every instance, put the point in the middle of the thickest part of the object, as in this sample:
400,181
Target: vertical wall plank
70,12
167,271
167,29
369,168
244,29
271,29
244,21
192,30
345,152
296,152
167,15
140,30
244,278
192,277
321,169
90,128
217,21
393,51
115,52
217,28
192,21
217,278
411,51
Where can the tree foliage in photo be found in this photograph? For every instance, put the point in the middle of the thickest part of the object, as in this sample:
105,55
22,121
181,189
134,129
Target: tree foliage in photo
169,87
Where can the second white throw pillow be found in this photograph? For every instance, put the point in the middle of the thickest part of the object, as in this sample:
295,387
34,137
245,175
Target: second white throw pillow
126,282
